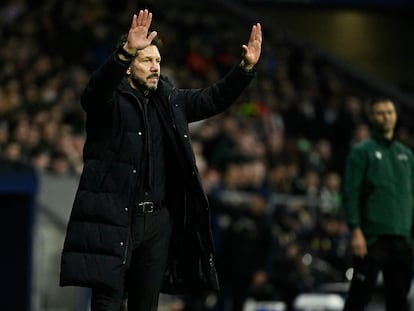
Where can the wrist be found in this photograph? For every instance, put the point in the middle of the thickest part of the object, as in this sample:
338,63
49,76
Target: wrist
357,232
125,53
129,50
246,67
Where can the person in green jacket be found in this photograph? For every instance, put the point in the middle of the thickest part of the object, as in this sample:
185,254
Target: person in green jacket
378,200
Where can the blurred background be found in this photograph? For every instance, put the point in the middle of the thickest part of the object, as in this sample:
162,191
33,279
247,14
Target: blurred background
272,165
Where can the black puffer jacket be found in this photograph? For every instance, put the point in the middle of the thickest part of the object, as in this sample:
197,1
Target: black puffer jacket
96,250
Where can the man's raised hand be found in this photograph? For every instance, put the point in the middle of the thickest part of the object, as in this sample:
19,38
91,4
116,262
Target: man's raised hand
251,51
138,36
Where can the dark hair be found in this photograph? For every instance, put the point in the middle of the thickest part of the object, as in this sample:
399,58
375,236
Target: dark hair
376,100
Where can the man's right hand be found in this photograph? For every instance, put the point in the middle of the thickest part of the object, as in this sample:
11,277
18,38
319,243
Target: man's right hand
359,244
138,37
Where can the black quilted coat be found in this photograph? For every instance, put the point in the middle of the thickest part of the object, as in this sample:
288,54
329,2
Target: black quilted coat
95,251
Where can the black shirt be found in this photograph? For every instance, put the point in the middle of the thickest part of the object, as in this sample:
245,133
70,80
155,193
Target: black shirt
152,185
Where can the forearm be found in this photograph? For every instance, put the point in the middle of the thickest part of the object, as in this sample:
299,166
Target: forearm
229,88
352,214
352,187
104,81
215,99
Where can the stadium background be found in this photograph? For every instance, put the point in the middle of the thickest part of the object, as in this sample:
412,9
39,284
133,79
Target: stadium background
272,166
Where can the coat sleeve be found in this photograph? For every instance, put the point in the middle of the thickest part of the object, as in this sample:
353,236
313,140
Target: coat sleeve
103,82
203,103
355,169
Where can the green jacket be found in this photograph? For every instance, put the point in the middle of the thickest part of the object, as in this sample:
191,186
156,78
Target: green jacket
378,188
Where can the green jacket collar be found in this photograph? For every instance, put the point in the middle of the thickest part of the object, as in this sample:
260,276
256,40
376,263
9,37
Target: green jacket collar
378,137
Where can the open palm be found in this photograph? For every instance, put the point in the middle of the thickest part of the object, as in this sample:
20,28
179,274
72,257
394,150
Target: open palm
138,37
251,51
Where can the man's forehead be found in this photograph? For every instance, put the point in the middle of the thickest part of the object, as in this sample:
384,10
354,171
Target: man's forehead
384,105
150,51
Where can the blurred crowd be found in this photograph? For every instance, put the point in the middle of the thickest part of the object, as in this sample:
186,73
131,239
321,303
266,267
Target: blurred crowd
271,165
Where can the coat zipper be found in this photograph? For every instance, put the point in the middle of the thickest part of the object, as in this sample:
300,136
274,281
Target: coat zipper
125,257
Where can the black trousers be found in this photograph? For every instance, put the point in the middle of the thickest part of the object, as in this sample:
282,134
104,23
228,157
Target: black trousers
392,256
151,234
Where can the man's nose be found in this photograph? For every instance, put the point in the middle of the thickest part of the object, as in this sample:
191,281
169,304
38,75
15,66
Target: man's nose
155,67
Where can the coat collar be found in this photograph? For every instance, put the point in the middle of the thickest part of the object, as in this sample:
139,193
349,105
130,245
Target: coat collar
378,137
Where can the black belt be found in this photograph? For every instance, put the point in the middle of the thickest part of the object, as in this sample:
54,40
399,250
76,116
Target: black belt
147,207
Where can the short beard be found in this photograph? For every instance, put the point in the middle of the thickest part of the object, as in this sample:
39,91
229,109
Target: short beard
142,85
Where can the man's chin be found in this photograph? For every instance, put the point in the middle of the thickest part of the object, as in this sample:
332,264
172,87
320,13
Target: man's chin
152,87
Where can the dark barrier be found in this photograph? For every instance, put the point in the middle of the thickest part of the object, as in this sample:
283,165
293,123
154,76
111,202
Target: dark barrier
18,186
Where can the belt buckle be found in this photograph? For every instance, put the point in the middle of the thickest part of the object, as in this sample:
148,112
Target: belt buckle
147,207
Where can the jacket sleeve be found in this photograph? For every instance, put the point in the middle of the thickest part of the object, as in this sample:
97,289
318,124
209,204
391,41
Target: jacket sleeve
102,84
355,169
203,103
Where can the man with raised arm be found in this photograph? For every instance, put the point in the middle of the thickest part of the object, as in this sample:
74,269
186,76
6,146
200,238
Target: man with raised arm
140,222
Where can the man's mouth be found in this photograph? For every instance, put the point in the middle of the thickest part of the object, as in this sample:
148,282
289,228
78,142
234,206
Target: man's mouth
153,76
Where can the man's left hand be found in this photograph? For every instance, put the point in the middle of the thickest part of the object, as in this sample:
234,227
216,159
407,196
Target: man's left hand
251,51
